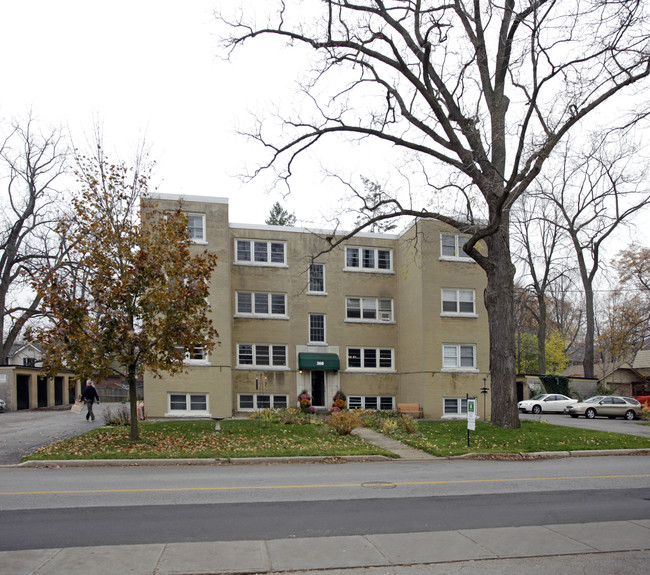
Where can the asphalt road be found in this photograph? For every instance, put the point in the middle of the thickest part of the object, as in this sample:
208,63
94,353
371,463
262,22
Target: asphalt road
93,526
65,507
22,432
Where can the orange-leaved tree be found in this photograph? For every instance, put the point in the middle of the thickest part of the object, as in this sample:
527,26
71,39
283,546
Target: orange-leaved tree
134,297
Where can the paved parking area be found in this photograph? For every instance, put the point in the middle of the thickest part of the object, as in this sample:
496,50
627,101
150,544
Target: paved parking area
22,432
596,424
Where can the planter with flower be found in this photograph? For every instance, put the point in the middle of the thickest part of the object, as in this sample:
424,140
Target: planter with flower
339,402
304,402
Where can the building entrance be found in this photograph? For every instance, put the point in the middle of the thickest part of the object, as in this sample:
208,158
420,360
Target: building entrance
318,391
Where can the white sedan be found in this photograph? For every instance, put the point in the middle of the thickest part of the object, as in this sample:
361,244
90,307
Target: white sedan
546,402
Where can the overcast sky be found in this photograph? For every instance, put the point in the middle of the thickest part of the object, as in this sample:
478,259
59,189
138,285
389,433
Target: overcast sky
145,68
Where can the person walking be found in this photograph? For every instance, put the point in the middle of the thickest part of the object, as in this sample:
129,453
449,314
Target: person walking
90,395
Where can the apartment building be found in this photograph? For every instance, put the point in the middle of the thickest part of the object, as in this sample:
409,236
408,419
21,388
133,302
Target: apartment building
384,318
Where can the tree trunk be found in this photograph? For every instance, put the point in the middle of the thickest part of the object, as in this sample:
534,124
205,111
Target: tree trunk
541,337
588,361
133,399
499,298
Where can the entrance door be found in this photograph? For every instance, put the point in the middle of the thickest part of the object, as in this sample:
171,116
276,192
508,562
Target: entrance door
318,388
22,391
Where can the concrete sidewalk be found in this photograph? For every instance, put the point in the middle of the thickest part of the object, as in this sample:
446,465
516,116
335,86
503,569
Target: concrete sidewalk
600,548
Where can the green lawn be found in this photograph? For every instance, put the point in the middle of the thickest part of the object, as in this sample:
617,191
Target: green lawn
450,438
261,438
197,439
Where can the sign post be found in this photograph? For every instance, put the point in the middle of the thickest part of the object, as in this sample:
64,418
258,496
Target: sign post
471,417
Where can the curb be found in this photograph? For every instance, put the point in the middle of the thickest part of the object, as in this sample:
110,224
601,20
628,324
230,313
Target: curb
332,459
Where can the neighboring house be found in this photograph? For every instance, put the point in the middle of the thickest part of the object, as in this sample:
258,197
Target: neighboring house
642,365
620,378
25,354
24,386
384,318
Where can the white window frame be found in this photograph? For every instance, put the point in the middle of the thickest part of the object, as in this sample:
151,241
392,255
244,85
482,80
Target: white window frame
310,289
362,256
188,411
456,299
256,354
362,402
191,229
369,304
364,355
197,356
311,329
459,242
458,357
254,249
254,304
276,401
461,406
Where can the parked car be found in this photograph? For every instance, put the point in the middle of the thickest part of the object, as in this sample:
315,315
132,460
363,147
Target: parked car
3,405
546,402
606,405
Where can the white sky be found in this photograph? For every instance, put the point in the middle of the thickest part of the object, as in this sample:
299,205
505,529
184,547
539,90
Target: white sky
151,68
145,68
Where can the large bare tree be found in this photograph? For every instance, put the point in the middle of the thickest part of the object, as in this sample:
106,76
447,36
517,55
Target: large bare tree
597,190
478,93
538,241
30,164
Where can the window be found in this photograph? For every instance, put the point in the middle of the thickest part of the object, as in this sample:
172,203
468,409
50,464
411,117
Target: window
196,227
458,356
269,304
258,252
382,403
261,355
196,403
365,358
253,401
317,327
368,259
27,362
197,356
369,309
458,302
451,246
454,405
317,278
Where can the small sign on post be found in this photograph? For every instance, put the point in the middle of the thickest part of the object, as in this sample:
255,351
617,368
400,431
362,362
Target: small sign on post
471,417
471,414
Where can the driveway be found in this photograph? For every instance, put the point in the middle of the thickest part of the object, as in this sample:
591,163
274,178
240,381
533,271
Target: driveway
23,432
596,424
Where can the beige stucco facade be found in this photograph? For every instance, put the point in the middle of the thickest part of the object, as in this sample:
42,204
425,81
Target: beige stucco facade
372,326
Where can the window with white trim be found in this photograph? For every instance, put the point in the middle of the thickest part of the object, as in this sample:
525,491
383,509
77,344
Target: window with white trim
459,356
261,355
261,304
454,405
368,309
196,356
451,246
368,259
196,227
259,252
370,358
193,403
459,302
317,328
317,278
255,401
373,402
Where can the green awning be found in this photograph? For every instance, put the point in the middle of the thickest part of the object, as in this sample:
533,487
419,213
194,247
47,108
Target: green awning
325,361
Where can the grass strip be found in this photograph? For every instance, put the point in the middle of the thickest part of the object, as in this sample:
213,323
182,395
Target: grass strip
197,439
446,438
